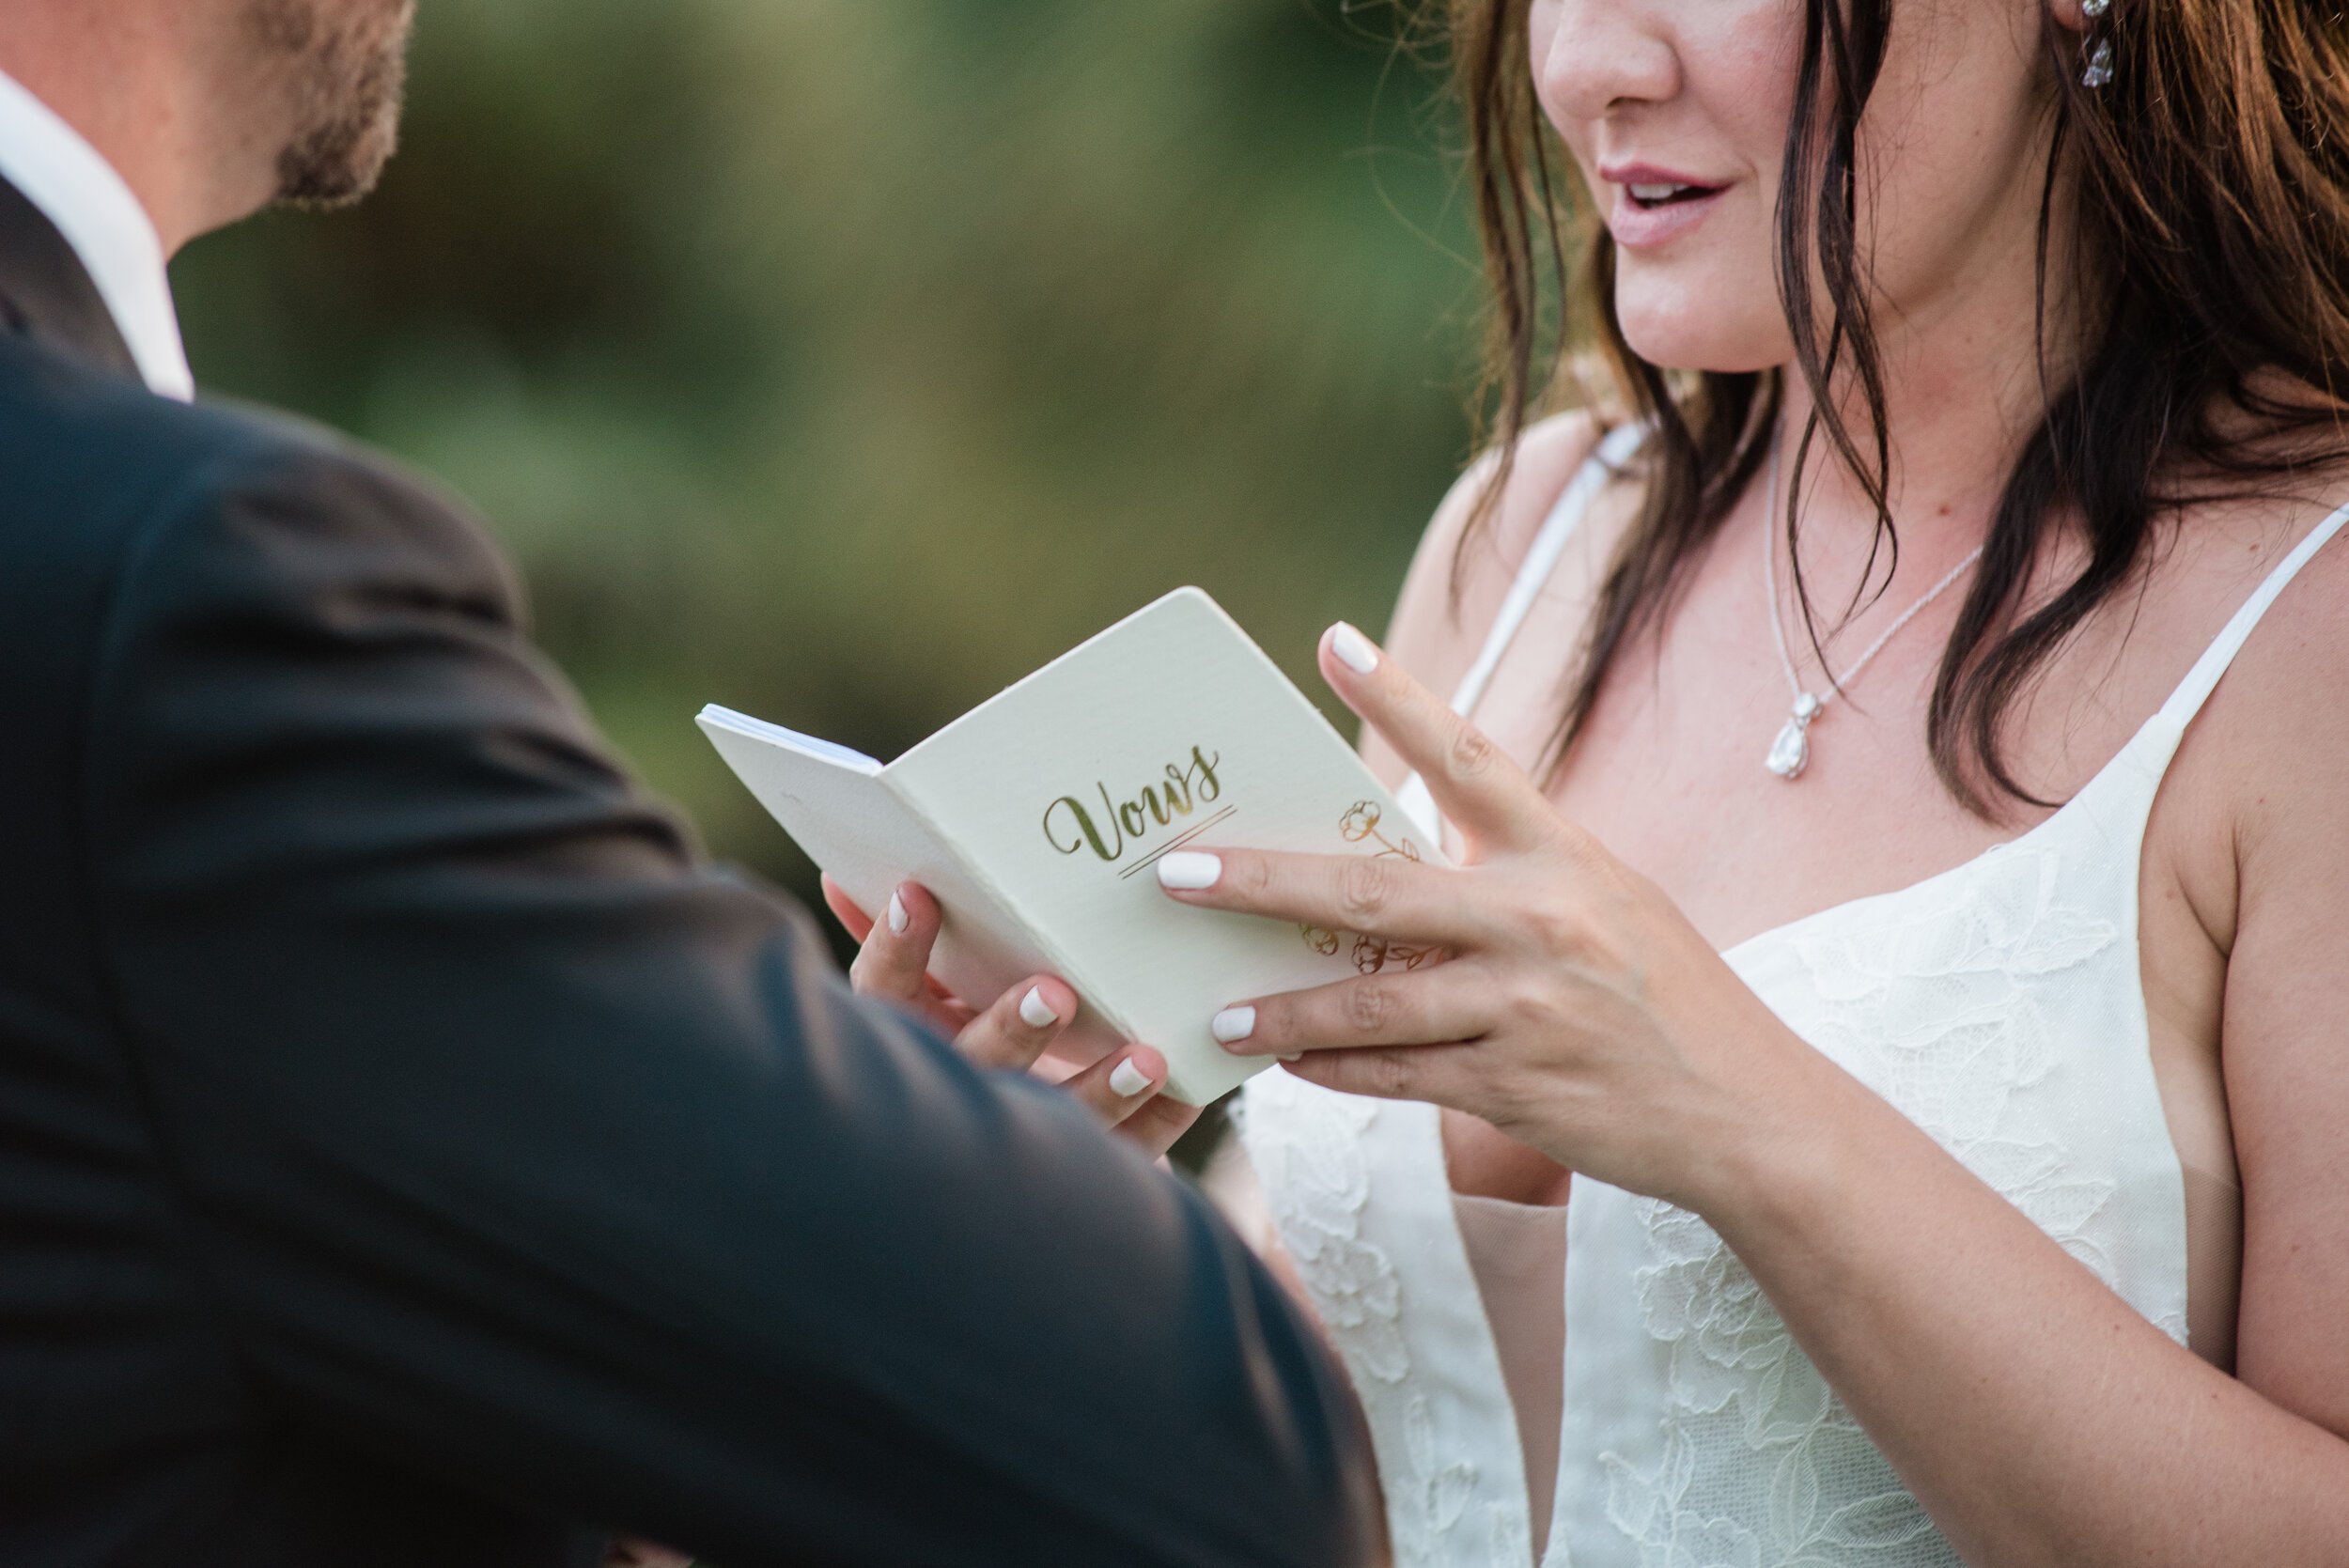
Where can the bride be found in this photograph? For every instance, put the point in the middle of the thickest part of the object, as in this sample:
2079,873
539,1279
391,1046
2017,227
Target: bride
1890,1057
1884,1101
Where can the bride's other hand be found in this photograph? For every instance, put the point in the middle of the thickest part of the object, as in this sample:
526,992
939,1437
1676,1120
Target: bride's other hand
1578,1010
1016,1031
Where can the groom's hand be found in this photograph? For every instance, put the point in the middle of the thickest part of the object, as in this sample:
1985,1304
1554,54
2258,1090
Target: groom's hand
1016,1031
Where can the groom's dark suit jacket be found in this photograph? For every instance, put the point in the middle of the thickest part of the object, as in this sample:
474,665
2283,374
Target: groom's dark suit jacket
410,1153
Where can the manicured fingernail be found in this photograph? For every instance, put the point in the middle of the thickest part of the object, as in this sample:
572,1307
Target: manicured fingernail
898,919
1187,870
1036,1012
1128,1080
1234,1024
1354,648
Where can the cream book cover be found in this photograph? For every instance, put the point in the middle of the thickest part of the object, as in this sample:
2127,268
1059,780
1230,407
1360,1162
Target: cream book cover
1037,819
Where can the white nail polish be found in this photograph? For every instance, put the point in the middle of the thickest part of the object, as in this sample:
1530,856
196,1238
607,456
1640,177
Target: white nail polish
1353,648
898,919
1234,1024
1128,1080
1187,870
1036,1012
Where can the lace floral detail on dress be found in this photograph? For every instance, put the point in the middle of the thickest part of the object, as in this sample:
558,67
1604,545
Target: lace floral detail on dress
1938,1009
1740,1392
1307,1144
1308,1153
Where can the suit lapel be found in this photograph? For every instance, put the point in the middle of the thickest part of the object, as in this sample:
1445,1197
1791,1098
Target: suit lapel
46,294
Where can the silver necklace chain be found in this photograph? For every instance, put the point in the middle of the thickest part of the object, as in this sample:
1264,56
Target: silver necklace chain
1790,753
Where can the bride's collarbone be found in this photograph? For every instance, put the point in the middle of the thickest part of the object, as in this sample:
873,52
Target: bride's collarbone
1669,771
1675,786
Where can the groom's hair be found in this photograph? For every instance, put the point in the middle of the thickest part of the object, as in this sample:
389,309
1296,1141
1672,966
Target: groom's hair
342,64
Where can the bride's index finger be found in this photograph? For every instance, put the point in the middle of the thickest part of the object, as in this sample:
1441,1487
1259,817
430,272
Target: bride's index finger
1482,793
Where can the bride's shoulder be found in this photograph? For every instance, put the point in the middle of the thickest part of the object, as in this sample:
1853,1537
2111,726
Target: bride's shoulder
1473,548
2287,746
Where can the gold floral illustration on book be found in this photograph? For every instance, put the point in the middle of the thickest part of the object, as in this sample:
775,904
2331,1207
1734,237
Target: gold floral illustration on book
1360,825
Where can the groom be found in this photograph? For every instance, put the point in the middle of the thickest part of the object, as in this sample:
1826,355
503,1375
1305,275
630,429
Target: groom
409,1153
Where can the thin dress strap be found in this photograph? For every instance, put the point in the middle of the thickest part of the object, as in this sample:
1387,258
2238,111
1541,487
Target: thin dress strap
2187,700
1550,543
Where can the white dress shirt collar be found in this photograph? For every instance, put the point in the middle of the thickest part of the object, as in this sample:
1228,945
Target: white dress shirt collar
70,182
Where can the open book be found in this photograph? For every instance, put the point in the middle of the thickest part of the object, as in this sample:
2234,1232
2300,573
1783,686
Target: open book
1037,818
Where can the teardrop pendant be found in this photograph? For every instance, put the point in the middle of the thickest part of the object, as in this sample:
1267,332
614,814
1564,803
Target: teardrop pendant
1790,753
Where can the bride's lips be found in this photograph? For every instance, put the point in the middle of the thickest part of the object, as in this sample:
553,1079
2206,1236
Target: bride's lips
1642,225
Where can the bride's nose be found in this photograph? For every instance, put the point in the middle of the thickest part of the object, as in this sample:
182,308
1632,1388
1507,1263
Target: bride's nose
1592,57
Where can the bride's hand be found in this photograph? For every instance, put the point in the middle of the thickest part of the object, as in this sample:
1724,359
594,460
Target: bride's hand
1016,1030
1578,1009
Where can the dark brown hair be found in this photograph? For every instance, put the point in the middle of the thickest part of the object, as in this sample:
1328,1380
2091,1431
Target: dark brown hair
2208,185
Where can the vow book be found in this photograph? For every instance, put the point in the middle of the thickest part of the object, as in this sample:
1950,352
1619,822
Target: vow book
1037,820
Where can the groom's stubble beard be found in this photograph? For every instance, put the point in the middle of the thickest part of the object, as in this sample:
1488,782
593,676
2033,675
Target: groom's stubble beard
339,67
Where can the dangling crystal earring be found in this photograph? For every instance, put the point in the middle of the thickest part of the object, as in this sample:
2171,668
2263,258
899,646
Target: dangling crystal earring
2099,68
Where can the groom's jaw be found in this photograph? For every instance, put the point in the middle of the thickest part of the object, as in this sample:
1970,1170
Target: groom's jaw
339,67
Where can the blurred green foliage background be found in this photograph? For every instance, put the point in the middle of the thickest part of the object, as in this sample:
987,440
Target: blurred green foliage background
844,360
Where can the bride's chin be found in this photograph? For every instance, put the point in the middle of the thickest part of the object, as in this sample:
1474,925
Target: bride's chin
1681,334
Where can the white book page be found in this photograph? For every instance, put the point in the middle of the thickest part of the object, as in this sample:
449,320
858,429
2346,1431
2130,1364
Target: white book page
1169,730
836,804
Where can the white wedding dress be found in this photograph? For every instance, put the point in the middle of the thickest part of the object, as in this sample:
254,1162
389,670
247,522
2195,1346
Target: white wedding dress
1999,1005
